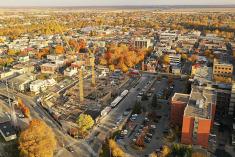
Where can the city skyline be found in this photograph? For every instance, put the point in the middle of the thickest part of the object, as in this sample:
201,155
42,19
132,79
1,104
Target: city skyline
111,3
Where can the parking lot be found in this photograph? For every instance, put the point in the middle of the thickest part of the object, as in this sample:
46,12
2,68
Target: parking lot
146,132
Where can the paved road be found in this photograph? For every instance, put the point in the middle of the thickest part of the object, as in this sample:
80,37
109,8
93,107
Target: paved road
38,113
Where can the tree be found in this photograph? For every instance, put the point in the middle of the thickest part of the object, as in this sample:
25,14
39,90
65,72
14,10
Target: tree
184,56
37,140
153,154
166,151
11,52
115,149
59,49
198,154
137,108
84,122
154,100
111,67
181,150
166,59
26,111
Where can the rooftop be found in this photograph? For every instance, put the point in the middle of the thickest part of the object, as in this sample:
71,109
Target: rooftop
7,129
180,97
200,103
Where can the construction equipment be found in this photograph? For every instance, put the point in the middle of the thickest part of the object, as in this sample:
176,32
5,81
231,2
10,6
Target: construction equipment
92,64
81,85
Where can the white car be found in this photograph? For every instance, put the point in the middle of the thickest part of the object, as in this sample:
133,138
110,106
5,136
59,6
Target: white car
21,116
153,126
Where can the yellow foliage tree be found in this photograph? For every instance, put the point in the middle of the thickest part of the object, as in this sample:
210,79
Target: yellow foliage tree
11,52
153,154
166,59
37,140
198,154
111,67
116,150
166,151
184,56
103,61
84,122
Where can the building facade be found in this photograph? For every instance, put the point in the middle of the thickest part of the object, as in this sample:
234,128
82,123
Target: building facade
222,71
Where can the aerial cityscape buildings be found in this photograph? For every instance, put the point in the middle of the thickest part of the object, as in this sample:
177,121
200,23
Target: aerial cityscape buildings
117,81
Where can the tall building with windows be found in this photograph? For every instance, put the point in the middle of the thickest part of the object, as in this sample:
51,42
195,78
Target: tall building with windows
195,112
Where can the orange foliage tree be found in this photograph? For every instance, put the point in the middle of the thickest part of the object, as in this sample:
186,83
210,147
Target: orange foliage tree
59,49
37,140
122,57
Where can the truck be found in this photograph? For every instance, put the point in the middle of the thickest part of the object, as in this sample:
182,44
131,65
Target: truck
116,101
124,93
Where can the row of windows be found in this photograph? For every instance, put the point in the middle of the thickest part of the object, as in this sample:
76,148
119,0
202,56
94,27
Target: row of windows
216,67
223,72
218,75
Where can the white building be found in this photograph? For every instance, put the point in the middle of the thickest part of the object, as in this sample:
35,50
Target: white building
142,43
70,71
23,59
37,86
21,82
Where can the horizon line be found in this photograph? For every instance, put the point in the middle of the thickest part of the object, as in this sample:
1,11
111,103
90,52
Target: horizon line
152,6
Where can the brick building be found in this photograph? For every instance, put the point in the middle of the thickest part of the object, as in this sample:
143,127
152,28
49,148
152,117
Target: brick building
195,112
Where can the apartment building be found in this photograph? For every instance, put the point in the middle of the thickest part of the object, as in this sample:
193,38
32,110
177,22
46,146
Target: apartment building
195,112
222,71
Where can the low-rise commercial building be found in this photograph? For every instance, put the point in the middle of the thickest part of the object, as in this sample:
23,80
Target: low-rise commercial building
48,68
7,131
222,71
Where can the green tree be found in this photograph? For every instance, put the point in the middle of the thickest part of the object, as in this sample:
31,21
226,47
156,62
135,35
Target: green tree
137,108
181,150
154,100
84,122
37,140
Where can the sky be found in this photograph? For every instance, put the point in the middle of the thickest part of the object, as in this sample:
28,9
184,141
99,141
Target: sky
111,2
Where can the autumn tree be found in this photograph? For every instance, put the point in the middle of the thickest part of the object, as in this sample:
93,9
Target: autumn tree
166,151
59,49
37,140
11,52
198,154
115,149
166,59
24,109
153,154
84,122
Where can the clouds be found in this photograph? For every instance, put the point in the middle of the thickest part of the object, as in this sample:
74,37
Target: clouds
110,2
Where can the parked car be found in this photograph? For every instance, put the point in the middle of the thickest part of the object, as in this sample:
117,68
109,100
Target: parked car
153,126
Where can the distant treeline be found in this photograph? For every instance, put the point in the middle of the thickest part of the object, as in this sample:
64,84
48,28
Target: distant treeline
204,27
